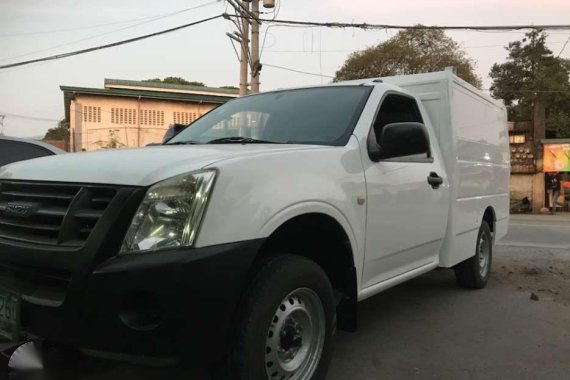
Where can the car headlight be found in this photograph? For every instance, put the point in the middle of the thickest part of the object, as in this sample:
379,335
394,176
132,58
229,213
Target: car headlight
170,213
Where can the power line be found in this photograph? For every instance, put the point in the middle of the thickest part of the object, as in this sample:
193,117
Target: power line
101,47
96,26
487,46
297,71
153,19
420,27
328,76
110,23
19,116
531,91
564,47
349,51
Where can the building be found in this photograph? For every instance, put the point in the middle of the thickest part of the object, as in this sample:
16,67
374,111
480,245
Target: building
523,164
134,113
530,182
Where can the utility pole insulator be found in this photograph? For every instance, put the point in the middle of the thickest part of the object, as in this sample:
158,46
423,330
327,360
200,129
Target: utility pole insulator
238,39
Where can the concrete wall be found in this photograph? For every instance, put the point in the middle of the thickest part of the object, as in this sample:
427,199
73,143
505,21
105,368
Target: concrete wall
96,120
521,186
61,144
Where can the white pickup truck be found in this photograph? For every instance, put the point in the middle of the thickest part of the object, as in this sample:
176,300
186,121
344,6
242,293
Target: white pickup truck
246,239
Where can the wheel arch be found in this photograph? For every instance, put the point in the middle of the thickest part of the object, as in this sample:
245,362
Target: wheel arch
322,234
490,217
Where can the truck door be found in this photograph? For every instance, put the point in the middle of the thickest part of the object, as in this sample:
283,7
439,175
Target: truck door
406,210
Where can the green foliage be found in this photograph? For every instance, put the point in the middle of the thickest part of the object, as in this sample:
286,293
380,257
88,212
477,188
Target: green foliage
410,51
230,87
61,132
532,72
560,120
175,80
113,143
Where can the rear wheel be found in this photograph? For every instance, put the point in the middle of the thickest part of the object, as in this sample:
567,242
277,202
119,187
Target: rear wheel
286,323
474,273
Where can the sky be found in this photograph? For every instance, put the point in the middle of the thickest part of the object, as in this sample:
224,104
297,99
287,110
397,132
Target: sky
31,98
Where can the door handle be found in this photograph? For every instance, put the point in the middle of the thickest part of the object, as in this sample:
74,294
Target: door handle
434,180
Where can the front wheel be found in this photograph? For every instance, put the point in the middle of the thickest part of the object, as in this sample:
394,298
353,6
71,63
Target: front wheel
286,324
474,273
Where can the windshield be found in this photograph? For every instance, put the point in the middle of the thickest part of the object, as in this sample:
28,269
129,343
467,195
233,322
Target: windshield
322,116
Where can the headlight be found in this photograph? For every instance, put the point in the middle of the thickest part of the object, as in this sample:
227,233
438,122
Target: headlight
170,214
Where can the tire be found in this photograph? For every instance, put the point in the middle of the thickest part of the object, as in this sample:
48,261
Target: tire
273,338
474,272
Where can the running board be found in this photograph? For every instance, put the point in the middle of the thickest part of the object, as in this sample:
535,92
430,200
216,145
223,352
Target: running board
377,288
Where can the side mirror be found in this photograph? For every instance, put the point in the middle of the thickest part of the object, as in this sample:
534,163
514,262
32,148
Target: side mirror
399,140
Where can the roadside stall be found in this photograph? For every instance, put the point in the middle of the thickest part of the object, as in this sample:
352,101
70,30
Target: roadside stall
557,161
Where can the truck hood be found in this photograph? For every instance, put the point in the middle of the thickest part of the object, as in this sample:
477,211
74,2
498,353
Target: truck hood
135,167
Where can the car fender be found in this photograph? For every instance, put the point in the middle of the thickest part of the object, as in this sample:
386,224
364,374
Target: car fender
254,195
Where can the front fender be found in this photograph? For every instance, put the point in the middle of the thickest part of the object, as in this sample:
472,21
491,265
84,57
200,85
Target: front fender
254,195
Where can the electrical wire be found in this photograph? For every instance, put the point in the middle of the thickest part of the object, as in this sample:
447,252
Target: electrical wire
101,47
296,71
564,47
531,91
349,51
420,27
276,11
20,116
96,26
156,18
110,23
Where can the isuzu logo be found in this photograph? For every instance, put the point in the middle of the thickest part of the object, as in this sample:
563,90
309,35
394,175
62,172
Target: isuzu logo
20,209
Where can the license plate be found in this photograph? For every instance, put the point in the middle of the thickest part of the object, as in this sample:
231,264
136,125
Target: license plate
9,316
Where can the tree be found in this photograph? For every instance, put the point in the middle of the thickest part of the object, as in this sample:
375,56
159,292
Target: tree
410,51
60,132
532,73
175,80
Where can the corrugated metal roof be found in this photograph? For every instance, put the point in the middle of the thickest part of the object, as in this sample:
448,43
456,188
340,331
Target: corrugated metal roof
170,86
179,96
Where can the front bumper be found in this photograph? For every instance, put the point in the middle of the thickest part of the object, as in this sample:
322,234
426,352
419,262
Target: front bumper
163,305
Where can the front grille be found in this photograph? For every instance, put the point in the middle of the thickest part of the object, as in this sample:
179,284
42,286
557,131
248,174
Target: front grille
51,213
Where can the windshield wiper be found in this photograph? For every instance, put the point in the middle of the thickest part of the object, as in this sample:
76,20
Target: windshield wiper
187,142
241,140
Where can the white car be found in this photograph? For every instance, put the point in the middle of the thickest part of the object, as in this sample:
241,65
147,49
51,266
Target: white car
245,240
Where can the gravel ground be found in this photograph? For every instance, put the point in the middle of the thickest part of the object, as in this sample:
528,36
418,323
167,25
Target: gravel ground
544,272
430,329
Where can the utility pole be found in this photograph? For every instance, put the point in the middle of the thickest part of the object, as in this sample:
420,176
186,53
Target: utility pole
255,64
244,57
539,133
248,58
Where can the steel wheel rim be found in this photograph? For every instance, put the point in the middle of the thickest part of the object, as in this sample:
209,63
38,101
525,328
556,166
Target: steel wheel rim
296,336
484,255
